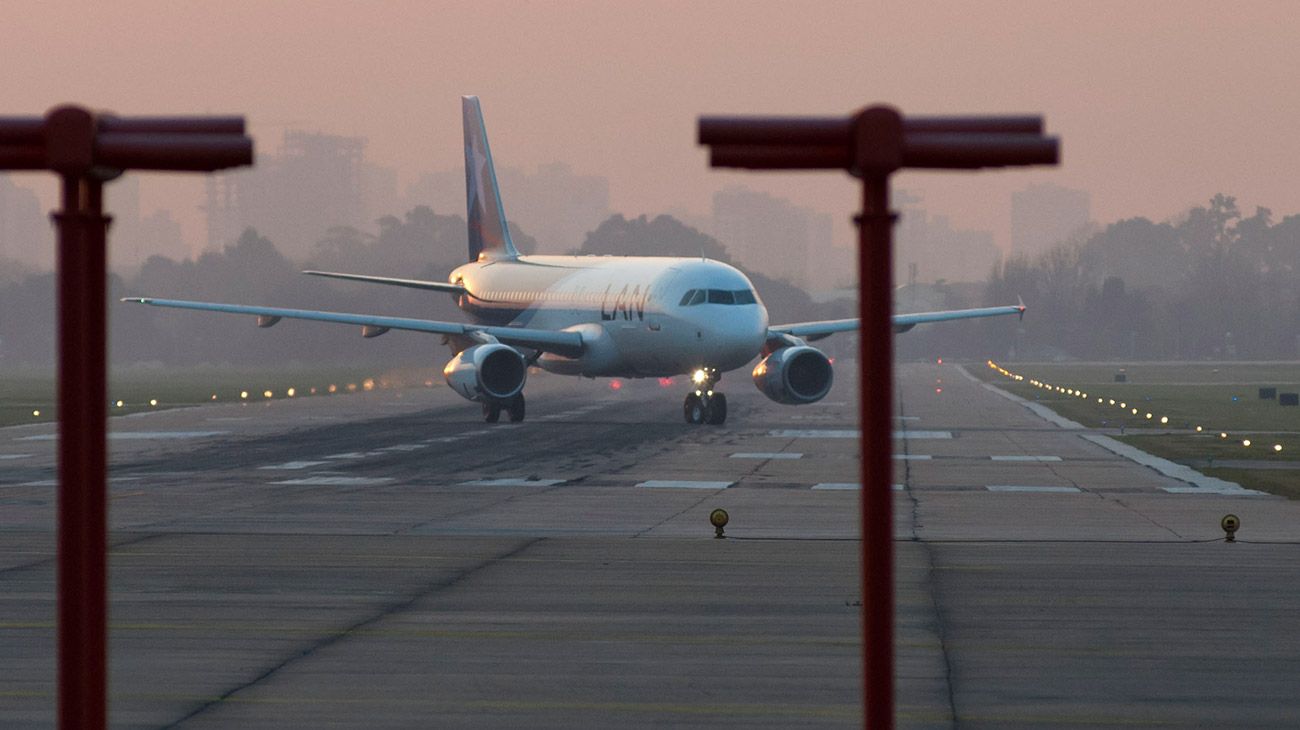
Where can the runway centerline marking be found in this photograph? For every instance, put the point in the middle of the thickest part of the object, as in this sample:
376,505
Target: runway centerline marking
837,486
136,435
785,455
513,482
913,457
10,457
673,484
337,481
835,433
1025,458
294,465
1030,488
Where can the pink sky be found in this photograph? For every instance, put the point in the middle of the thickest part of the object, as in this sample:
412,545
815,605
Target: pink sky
1159,104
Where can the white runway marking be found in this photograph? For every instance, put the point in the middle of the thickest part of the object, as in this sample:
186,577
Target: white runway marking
230,418
832,433
907,418
337,481
405,447
348,455
137,435
670,484
1025,458
11,457
1029,488
1235,492
761,455
294,465
55,482
850,486
913,457
814,433
516,482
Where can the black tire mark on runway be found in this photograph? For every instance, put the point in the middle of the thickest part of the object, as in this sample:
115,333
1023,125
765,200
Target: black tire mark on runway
51,561
336,637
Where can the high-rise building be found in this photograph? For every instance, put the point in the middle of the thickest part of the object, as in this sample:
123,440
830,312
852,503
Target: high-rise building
314,182
927,248
1044,215
25,232
771,235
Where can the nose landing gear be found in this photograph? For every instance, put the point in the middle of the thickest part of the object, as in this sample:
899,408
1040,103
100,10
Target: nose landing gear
705,405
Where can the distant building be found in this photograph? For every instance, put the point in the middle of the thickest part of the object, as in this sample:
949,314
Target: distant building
25,232
1043,215
314,182
928,249
773,236
554,205
134,238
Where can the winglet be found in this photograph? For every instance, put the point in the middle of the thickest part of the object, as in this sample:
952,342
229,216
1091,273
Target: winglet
489,234
1020,305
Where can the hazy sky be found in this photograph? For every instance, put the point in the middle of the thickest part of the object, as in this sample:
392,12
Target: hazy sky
1159,104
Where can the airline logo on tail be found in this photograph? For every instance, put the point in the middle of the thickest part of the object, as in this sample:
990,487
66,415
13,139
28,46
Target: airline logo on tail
489,236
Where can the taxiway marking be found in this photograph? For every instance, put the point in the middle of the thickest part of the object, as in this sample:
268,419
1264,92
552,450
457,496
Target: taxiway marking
762,455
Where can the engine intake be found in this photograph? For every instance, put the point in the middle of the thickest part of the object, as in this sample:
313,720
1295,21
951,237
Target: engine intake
493,373
794,375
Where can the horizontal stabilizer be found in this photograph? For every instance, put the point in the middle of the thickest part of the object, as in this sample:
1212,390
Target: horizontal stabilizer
409,283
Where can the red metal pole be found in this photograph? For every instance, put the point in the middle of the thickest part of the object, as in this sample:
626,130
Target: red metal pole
83,400
876,378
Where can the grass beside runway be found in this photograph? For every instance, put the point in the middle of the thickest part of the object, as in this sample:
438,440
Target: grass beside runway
29,396
1220,398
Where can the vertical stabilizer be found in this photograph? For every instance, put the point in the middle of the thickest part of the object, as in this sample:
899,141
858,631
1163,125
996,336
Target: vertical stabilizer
489,236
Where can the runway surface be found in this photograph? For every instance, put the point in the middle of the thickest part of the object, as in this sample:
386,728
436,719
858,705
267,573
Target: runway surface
386,559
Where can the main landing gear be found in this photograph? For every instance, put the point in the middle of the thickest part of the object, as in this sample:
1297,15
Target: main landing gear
705,405
513,408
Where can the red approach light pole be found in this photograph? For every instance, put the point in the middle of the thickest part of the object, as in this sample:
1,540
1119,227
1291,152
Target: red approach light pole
86,150
871,145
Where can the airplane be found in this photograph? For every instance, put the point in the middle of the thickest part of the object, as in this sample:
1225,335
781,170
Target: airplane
595,316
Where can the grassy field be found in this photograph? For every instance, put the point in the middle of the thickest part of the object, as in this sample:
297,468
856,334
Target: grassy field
1222,399
29,396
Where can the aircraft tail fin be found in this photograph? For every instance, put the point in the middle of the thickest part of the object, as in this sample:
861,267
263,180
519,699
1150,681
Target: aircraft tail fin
489,234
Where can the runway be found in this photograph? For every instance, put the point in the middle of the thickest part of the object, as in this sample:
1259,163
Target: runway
386,559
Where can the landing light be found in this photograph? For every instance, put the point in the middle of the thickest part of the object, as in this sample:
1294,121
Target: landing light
699,376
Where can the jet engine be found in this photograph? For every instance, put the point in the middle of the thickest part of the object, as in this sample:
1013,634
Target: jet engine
794,375
491,373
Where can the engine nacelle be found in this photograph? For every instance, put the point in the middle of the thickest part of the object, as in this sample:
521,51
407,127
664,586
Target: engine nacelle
493,373
795,375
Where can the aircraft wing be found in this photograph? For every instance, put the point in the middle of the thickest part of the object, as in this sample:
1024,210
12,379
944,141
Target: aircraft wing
409,283
568,344
902,322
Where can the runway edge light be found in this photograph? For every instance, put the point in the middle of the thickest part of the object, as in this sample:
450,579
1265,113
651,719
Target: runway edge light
718,518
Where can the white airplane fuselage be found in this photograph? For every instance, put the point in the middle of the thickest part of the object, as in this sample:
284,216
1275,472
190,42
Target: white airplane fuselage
630,310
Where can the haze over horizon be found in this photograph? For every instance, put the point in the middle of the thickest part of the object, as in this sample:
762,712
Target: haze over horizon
1160,105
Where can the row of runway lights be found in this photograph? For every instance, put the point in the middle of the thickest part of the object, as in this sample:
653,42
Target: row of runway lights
366,385
1073,392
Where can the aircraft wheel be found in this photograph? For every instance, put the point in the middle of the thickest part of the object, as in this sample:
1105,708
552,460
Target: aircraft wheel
717,410
491,412
516,408
693,409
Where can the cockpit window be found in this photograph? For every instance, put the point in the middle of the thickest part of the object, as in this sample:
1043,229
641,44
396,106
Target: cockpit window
717,296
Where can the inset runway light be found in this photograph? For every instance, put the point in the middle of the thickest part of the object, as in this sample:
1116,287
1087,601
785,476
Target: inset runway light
266,394
1245,442
1223,435
153,401
1164,419
1199,429
243,394
352,387
368,384
120,404
333,388
214,396
291,392
36,413
427,384
1112,401
1277,447
615,385
1123,405
313,390
1148,416
1135,411
938,390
